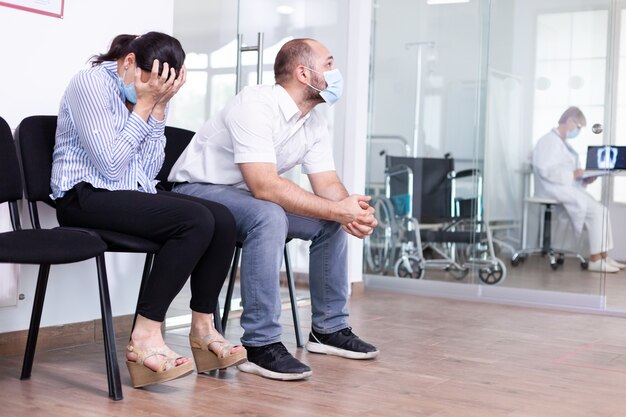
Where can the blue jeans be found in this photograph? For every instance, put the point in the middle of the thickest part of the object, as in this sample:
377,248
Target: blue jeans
263,227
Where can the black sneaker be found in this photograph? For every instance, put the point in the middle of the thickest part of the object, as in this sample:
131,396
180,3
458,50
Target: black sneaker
342,343
273,361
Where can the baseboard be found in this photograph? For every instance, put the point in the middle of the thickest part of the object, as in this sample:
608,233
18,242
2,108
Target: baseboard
301,279
357,289
67,335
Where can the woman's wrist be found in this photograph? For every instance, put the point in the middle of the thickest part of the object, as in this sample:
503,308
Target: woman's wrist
158,112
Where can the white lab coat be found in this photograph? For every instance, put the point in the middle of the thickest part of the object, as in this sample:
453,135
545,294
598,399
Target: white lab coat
554,163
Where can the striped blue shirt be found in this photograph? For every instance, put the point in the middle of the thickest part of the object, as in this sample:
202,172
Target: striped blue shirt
99,141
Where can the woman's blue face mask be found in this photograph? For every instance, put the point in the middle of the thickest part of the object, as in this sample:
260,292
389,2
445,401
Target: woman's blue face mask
130,93
573,133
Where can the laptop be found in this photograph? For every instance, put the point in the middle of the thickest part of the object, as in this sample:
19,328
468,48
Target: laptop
602,160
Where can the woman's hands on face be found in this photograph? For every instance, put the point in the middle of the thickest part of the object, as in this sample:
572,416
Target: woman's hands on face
154,94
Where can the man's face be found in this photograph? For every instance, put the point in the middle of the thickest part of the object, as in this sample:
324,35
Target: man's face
324,61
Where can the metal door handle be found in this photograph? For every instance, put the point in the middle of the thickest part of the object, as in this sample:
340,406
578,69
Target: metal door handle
259,63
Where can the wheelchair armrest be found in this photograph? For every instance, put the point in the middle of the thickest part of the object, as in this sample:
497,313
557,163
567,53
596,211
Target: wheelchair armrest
464,173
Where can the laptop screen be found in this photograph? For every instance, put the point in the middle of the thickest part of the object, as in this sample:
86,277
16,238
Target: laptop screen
606,157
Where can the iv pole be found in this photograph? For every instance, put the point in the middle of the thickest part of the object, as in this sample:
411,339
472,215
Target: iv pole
418,89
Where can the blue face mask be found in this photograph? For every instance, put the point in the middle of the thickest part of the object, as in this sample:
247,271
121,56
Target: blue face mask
573,133
130,94
332,93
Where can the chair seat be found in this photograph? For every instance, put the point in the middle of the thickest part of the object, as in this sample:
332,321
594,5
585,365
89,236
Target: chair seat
122,242
541,200
49,246
442,236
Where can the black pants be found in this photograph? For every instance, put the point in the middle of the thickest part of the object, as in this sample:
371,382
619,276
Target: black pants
197,238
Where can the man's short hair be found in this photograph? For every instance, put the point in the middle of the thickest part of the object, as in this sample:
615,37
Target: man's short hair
293,53
576,114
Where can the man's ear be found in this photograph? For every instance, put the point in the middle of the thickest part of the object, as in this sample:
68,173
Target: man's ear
300,74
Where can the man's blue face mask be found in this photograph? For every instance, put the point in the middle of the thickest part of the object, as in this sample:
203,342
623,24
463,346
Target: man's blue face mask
130,93
332,93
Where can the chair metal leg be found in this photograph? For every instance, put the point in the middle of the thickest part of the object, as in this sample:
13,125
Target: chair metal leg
35,320
292,297
147,267
292,294
546,244
217,320
231,287
113,370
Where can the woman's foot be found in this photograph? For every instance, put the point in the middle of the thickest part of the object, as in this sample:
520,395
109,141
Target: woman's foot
154,357
614,263
149,360
212,351
601,266
165,365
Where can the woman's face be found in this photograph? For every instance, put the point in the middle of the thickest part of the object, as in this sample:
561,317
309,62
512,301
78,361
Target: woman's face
128,70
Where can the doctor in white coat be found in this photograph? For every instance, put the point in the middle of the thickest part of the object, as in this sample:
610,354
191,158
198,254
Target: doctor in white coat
558,176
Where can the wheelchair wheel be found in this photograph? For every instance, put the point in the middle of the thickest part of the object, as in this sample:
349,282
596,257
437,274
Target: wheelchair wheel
409,267
379,247
493,274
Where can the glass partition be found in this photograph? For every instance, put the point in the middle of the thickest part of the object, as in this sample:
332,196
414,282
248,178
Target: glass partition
480,83
209,32
544,58
426,140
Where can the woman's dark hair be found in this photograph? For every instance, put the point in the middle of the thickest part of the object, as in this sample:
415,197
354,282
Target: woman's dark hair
147,48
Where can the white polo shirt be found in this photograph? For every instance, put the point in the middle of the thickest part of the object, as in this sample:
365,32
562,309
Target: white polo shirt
261,124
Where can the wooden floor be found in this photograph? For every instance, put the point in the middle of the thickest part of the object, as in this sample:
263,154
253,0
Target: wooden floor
439,358
535,274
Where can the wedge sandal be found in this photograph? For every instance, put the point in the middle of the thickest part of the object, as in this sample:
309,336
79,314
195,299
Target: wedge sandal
216,358
141,375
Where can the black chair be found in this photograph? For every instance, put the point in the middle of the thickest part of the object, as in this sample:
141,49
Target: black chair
177,141
290,283
47,247
35,139
36,134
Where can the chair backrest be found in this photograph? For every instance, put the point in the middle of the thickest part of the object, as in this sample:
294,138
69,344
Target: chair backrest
177,141
35,136
432,189
11,183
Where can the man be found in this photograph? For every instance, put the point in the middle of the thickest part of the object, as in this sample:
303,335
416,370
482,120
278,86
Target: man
558,176
237,158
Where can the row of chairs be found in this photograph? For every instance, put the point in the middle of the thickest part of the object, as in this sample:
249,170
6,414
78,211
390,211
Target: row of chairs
35,138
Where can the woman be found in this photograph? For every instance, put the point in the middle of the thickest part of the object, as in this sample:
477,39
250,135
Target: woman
109,148
558,176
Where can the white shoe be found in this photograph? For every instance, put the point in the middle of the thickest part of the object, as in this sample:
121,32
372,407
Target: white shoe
601,266
614,263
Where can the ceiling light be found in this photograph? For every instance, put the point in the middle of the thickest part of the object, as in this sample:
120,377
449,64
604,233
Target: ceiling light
284,9
433,2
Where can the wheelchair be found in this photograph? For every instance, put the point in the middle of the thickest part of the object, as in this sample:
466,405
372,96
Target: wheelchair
425,224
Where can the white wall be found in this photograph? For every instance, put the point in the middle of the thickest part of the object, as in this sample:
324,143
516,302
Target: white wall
40,55
356,96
